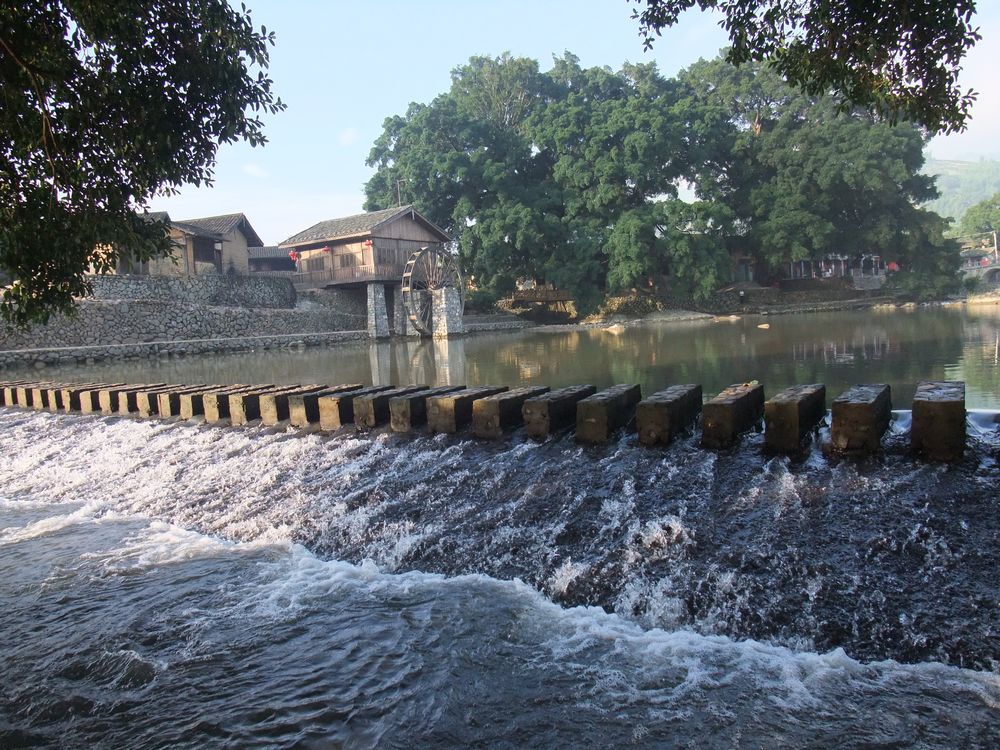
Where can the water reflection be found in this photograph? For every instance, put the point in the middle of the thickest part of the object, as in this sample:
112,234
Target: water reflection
840,349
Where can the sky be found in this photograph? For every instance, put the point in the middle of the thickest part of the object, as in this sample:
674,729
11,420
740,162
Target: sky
343,67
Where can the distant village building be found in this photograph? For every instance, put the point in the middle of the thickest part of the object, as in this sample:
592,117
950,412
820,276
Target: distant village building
210,245
354,250
270,259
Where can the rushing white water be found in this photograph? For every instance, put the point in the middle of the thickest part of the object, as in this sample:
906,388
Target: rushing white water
176,585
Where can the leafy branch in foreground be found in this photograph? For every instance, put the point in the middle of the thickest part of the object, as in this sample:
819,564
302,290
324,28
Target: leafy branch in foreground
102,106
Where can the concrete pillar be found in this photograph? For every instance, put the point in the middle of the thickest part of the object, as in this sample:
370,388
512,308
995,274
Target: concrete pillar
502,411
449,361
446,317
274,406
598,416
380,359
661,416
378,315
401,324
410,411
449,412
859,417
303,408
734,411
337,409
372,409
791,414
193,404
553,411
937,431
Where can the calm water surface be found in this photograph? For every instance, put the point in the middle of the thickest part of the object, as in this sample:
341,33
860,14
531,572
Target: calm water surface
899,347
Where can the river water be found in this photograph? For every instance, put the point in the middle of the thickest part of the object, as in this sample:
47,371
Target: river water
178,585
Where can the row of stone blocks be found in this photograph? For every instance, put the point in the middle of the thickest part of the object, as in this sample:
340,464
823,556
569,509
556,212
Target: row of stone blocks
859,417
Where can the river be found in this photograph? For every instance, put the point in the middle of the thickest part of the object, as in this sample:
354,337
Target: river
179,585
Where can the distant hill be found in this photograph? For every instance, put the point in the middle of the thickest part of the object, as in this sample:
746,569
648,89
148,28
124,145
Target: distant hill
962,184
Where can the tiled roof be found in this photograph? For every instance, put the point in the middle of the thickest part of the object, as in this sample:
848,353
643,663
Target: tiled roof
225,224
358,224
268,251
194,230
157,216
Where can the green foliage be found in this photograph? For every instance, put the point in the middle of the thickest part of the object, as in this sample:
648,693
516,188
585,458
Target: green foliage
962,184
632,306
570,176
892,57
104,106
982,217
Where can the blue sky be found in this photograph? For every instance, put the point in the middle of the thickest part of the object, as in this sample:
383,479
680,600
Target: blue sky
343,67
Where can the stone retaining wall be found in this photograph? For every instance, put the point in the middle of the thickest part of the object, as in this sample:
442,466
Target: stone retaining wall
109,323
223,290
88,354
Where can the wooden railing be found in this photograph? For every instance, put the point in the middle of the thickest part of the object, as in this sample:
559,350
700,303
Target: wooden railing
391,254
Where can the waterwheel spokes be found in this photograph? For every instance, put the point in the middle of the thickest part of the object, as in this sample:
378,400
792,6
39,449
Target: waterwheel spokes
428,270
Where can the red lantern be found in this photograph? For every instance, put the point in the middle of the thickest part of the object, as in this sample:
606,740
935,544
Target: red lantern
327,250
367,243
294,255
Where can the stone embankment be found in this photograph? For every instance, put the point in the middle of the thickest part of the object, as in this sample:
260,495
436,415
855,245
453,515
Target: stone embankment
858,420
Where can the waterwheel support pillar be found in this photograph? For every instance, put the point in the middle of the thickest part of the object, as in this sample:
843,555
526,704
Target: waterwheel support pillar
401,323
378,314
447,313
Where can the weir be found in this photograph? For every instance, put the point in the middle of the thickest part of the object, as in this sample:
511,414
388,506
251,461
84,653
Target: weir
858,419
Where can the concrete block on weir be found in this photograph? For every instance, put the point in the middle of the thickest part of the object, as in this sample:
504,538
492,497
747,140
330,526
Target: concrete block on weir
734,411
108,397
658,418
8,392
937,429
303,408
502,411
553,411
193,404
336,410
274,405
169,402
451,411
790,415
600,415
372,409
147,402
128,397
23,395
70,399
244,406
409,412
859,418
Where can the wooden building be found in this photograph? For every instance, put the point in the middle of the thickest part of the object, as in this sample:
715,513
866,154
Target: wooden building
210,245
360,249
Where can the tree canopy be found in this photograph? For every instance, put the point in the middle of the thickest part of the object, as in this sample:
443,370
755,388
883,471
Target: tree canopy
103,106
983,217
896,57
573,176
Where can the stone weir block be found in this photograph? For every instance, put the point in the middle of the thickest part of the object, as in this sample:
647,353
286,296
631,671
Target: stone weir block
40,398
88,399
372,409
859,418
336,410
109,397
168,402
69,398
148,402
23,395
409,412
451,411
937,431
553,411
128,397
734,411
600,415
8,393
303,408
791,414
244,406
274,405
663,415
502,411
193,404
215,402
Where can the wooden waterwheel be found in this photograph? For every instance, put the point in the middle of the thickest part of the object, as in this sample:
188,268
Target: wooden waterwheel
428,269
